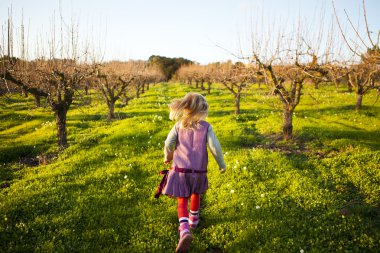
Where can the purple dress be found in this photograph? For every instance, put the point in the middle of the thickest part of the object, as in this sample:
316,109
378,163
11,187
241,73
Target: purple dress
190,153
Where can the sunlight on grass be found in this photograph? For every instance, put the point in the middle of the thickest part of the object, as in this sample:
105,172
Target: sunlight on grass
319,192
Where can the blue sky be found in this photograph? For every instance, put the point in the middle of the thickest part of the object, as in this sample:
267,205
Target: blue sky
126,29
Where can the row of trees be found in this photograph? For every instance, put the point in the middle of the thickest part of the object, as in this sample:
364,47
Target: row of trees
58,80
286,60
286,81
282,61
64,69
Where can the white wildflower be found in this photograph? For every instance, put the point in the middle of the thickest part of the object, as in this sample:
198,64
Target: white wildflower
257,207
232,191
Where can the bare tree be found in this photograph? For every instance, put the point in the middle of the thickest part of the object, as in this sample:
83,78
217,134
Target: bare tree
48,76
234,77
23,74
207,73
285,59
363,78
185,74
63,79
365,48
113,79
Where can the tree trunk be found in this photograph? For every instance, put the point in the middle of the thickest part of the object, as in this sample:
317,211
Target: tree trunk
24,92
359,100
237,103
209,88
287,128
147,86
111,109
37,99
349,87
196,84
143,88
125,101
202,86
60,120
336,83
316,85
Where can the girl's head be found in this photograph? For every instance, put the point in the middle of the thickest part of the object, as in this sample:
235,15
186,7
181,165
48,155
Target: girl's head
189,110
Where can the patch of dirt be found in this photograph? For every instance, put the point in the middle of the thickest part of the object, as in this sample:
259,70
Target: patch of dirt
277,143
29,161
43,159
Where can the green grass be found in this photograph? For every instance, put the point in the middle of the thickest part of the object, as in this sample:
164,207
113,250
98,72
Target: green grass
317,193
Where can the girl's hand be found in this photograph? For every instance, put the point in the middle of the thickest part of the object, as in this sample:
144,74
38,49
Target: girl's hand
222,170
166,162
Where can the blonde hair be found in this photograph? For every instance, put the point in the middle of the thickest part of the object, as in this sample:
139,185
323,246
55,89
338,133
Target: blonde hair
190,110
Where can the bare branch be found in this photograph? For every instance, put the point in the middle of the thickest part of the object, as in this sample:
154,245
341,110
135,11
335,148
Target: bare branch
355,29
341,31
366,25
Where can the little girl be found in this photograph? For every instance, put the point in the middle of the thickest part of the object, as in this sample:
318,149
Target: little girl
186,147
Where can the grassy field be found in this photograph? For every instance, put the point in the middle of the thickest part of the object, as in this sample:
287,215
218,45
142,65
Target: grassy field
317,193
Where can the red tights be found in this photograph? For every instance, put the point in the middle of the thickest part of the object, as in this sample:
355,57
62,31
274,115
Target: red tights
183,202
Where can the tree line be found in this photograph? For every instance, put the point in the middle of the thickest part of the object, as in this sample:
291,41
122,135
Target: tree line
284,66
286,81
57,81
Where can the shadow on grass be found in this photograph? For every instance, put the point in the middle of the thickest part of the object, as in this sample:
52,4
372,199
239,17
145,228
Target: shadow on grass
24,155
367,110
291,228
17,152
370,139
119,116
307,206
245,114
76,210
86,117
290,223
19,118
346,134
127,115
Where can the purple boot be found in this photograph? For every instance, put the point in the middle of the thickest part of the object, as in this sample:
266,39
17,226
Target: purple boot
185,238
